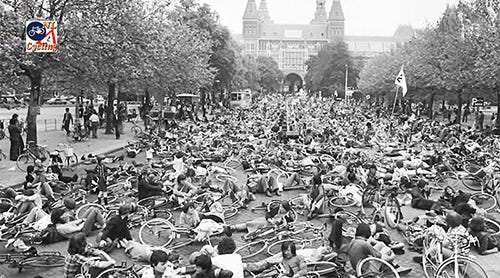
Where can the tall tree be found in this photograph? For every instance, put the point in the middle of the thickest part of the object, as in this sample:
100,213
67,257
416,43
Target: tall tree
269,73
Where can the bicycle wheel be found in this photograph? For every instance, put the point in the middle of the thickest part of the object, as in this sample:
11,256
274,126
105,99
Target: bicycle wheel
72,160
136,130
24,160
473,183
230,212
492,226
232,163
275,247
118,273
430,258
375,267
224,178
368,199
82,211
43,260
251,249
466,268
471,168
392,212
350,222
321,268
157,232
342,202
484,201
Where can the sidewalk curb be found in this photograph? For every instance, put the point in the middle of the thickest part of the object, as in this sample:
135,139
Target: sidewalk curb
18,185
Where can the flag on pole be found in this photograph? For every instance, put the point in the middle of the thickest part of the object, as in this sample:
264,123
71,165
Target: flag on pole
401,81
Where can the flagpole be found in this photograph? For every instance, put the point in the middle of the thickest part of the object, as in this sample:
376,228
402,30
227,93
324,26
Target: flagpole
395,98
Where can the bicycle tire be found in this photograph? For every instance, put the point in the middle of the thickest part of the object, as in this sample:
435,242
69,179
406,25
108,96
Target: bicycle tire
136,130
472,183
230,212
492,226
341,202
321,268
43,261
368,197
275,247
430,262
152,202
484,201
232,163
392,212
465,267
471,168
6,201
81,211
23,161
157,232
350,222
224,178
375,267
118,273
251,249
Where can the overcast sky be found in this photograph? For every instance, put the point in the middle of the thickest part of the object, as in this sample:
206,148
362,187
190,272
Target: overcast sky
362,17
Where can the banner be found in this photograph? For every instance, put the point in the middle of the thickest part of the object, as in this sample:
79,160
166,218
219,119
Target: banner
401,81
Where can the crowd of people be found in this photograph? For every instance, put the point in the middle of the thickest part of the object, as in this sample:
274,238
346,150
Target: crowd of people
362,147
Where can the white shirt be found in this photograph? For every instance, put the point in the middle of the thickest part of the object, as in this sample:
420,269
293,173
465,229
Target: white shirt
230,262
94,118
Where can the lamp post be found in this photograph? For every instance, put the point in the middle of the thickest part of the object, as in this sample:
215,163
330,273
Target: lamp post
345,87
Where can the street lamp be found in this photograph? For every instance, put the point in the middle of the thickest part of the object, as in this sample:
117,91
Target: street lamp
345,87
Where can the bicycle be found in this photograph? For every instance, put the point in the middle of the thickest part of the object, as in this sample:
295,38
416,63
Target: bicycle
33,259
78,135
295,231
136,129
160,232
31,153
387,209
66,156
375,267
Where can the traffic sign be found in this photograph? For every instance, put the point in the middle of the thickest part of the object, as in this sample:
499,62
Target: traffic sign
477,101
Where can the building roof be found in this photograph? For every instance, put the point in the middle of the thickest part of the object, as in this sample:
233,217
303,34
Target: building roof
336,12
264,12
251,10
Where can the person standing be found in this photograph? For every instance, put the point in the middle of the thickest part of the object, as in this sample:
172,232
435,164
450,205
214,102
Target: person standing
67,120
94,123
116,124
16,140
480,120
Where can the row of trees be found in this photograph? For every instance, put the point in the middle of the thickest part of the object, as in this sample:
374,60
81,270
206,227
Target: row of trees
160,47
457,59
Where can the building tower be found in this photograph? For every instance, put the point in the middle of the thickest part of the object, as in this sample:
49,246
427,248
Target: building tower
251,28
264,13
320,14
336,22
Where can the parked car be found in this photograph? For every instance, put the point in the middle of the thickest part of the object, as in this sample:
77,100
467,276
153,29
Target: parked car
57,100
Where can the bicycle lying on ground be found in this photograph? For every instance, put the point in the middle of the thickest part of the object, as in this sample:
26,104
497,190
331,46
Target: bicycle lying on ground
33,259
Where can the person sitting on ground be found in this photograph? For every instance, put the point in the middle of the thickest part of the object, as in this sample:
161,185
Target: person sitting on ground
27,201
189,216
79,253
92,220
317,197
237,193
116,229
359,248
163,264
292,265
183,190
264,184
227,259
488,243
147,187
205,268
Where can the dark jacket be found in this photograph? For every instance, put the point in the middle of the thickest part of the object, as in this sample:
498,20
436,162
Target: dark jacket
116,228
147,190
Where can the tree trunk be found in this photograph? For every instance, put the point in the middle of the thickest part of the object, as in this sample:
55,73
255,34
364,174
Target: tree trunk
459,110
109,112
34,104
498,108
431,103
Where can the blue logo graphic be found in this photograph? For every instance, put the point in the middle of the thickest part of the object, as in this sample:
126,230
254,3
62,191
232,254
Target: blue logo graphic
35,31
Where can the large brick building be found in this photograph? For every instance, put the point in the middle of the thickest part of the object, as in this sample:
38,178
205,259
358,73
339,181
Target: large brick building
292,44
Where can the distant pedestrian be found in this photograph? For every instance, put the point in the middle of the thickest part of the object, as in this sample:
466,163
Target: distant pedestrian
67,120
94,123
466,114
116,123
480,120
16,140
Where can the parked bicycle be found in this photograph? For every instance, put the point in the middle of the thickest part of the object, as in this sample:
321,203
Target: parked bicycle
31,153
